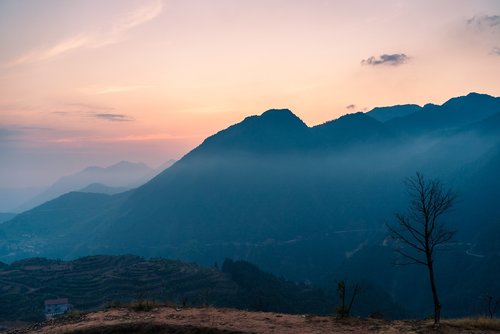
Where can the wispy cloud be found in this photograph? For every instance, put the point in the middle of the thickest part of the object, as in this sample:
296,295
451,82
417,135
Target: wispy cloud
87,106
70,44
147,137
95,38
81,109
98,90
387,59
113,117
91,111
484,21
153,137
487,29
18,133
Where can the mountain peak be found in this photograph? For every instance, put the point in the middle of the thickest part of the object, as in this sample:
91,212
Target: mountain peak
278,113
279,118
128,164
469,99
474,94
275,128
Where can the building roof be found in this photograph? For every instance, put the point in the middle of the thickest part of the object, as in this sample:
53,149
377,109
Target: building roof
57,301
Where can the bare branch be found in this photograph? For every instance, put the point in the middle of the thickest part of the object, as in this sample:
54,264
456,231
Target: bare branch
399,236
408,256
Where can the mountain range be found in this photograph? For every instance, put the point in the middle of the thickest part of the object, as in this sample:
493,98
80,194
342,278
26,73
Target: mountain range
113,179
296,200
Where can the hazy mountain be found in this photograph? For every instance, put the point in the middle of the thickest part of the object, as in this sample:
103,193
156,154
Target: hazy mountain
486,243
5,216
296,200
124,175
384,114
164,166
100,188
12,198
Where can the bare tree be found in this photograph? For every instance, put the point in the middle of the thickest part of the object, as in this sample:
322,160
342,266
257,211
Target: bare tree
421,230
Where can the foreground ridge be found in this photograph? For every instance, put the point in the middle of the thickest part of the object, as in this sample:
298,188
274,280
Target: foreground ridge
217,320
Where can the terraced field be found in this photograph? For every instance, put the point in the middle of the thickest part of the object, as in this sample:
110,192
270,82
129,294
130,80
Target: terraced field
92,282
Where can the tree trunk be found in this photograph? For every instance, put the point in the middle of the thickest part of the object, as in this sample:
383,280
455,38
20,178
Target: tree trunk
435,298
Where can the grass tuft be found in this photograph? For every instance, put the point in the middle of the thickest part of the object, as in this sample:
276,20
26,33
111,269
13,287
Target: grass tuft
143,305
475,323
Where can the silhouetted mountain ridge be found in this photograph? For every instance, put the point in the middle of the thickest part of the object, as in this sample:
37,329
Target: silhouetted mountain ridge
349,129
453,114
384,114
275,129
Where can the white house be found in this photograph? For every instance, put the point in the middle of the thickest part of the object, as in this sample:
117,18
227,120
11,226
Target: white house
54,307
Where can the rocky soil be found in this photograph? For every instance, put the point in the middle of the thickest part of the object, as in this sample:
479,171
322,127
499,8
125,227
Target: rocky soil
213,320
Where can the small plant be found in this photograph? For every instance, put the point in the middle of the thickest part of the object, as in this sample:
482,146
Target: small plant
143,305
492,305
343,310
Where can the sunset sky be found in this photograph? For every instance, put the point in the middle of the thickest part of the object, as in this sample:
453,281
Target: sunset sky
95,82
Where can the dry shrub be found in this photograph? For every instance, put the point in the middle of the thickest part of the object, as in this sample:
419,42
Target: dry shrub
475,323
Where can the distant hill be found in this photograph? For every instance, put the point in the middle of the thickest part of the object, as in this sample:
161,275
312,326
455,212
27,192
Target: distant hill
93,282
100,188
297,201
124,175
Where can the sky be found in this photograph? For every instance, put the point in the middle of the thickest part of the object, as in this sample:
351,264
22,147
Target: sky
96,82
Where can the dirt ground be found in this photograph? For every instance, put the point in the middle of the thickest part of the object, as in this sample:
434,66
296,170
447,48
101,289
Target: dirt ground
212,320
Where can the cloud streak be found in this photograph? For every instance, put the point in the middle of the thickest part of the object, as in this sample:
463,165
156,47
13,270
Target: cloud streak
386,59
99,90
484,21
93,39
487,28
153,137
92,111
113,117
17,133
